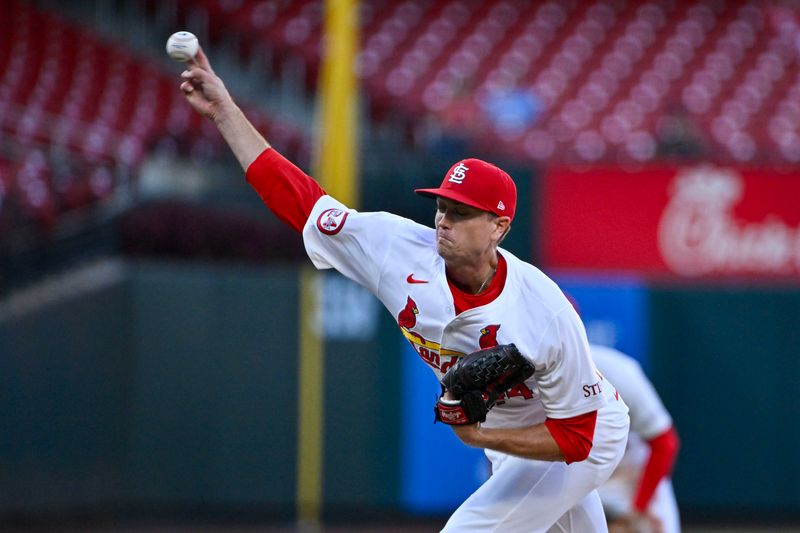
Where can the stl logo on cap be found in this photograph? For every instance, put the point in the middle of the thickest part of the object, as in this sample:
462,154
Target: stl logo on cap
488,188
459,173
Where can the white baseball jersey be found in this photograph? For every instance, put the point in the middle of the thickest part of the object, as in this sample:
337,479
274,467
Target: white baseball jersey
396,259
649,419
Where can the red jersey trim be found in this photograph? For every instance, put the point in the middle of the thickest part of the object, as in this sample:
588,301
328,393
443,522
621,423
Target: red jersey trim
288,191
573,435
464,301
663,452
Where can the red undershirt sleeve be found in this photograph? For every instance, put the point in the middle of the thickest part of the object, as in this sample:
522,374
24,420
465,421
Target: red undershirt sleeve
663,451
573,435
288,191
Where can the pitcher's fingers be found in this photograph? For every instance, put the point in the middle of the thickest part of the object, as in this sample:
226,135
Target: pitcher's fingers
201,59
197,74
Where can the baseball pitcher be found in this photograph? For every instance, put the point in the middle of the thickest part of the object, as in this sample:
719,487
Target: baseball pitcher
510,351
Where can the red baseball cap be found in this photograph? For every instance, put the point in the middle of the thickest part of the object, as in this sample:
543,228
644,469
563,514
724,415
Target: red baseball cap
478,184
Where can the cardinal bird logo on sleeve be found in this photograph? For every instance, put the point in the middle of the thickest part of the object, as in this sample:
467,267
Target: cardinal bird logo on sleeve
407,318
488,338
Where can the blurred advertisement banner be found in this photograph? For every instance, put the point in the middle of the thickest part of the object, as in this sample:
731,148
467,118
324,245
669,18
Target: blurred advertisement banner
689,222
614,310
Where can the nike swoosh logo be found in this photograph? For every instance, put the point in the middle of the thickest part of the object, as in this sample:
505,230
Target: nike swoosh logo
410,279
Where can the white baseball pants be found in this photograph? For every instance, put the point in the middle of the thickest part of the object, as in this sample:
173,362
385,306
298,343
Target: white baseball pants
527,496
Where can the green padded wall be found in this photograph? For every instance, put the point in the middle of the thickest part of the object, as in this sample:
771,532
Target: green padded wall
726,362
174,389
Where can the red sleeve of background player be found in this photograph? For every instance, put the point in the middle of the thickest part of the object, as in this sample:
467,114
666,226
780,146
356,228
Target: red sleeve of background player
663,451
573,435
288,191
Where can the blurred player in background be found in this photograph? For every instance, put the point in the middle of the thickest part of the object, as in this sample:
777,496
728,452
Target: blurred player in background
639,495
638,498
553,439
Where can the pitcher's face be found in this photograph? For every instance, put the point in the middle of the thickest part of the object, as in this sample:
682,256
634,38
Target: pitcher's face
465,233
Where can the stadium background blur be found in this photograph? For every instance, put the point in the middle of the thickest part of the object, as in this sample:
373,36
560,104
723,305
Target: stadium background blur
153,313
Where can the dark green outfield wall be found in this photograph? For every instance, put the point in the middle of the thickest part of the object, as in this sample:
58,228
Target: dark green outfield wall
64,386
362,433
727,364
213,385
175,386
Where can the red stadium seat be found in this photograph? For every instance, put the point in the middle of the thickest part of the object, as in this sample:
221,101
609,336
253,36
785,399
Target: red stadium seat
604,73
92,102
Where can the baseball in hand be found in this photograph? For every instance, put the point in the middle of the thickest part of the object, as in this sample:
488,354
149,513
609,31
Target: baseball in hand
182,46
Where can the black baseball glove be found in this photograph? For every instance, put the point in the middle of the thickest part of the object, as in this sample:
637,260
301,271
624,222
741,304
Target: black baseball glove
477,380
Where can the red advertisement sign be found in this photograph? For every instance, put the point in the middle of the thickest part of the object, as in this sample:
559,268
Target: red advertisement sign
690,222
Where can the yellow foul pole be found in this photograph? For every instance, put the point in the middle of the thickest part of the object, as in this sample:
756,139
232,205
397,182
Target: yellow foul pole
337,155
310,396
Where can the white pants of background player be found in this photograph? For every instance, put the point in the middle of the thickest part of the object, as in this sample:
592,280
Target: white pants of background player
526,496
664,507
617,494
